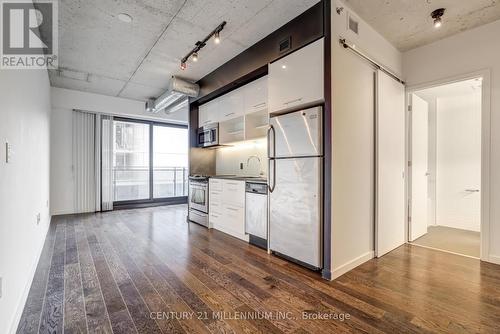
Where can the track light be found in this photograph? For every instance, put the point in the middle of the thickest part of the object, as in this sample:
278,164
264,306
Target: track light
200,44
436,15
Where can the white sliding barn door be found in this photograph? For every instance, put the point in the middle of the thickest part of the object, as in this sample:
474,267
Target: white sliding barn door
390,165
419,167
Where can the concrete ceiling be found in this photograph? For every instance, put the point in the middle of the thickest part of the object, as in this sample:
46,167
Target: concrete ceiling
99,53
407,23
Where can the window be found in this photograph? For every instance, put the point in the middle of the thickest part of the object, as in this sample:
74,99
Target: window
149,161
170,160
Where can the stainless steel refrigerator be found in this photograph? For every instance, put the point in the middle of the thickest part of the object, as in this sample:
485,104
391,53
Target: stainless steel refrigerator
295,149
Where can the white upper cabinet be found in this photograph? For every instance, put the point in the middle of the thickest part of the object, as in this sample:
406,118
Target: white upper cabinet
208,113
255,95
231,105
297,79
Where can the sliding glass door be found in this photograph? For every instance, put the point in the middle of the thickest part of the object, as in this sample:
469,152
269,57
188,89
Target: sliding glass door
131,161
149,162
169,161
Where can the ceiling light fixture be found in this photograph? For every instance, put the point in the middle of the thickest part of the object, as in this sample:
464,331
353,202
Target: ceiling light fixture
124,17
200,44
437,15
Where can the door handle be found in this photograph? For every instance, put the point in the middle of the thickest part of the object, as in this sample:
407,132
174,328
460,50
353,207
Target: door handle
292,101
272,185
472,190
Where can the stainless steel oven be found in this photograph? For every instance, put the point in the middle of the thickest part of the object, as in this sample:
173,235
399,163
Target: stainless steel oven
198,200
208,135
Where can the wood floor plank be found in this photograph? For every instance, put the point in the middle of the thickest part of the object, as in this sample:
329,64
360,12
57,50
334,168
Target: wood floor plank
30,319
119,315
148,271
52,315
95,310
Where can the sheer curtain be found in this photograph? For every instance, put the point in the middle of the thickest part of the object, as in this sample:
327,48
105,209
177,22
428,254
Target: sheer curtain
107,176
84,172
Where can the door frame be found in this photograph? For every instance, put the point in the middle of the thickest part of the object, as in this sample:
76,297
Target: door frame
485,74
151,200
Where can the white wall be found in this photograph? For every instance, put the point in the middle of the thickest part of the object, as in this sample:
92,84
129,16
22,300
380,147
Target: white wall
467,52
63,102
458,161
24,185
228,159
353,140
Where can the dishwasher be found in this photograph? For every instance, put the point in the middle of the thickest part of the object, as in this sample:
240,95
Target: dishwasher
256,213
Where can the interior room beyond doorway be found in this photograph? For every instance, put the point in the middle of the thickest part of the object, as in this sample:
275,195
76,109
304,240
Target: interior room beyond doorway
445,155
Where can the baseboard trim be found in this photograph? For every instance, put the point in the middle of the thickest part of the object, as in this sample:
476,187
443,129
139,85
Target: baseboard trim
494,259
445,251
352,264
20,307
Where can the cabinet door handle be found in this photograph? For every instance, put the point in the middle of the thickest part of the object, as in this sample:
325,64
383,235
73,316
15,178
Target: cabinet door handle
293,101
232,209
232,113
258,105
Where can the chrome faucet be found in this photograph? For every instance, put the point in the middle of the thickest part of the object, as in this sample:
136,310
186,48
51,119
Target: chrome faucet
261,172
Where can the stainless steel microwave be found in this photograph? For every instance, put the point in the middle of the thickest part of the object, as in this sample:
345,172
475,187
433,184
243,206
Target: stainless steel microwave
208,135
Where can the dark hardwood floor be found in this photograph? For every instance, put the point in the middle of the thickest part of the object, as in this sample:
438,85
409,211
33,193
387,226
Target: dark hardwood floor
148,271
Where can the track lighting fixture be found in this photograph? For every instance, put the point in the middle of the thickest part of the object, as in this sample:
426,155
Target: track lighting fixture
436,15
200,44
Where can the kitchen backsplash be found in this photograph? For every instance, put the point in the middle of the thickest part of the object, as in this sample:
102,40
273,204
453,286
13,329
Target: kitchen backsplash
228,159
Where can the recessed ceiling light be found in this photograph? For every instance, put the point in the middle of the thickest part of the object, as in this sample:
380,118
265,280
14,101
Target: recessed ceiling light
124,17
283,66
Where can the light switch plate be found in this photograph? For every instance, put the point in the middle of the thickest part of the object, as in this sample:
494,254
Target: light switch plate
38,218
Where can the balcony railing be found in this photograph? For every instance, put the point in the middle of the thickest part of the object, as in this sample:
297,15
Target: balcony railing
132,183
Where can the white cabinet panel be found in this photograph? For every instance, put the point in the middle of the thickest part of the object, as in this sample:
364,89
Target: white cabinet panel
208,113
227,207
231,105
255,95
234,193
297,79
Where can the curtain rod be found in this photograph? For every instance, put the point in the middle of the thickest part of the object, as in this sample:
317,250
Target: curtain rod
343,42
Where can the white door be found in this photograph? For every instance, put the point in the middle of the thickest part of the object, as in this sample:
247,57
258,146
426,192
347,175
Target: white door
458,180
419,166
390,165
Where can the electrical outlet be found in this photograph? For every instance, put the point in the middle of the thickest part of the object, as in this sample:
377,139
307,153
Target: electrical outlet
38,218
241,165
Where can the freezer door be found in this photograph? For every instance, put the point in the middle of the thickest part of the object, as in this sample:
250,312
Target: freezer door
295,210
298,133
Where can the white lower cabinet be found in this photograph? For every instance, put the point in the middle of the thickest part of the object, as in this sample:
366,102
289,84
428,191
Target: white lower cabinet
227,207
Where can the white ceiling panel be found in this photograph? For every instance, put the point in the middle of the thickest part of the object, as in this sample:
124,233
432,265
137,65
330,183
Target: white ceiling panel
93,84
407,24
137,60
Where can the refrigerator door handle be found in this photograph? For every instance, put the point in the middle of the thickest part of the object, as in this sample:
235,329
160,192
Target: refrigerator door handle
271,129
